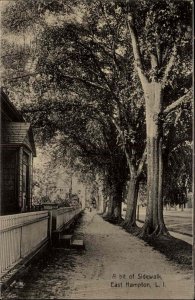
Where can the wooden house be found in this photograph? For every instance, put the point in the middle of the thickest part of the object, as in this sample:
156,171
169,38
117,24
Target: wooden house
17,151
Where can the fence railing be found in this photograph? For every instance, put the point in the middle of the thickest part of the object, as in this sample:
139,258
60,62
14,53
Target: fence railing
20,235
63,216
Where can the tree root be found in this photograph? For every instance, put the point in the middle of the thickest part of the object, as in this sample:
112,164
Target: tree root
116,220
112,219
127,225
160,230
144,232
130,227
123,223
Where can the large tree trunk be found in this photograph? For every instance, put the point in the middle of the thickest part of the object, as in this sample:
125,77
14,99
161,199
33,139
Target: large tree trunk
104,205
98,201
117,200
117,210
110,205
130,218
154,223
162,227
153,99
114,205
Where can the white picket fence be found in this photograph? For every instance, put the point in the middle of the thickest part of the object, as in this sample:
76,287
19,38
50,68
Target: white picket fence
63,216
21,235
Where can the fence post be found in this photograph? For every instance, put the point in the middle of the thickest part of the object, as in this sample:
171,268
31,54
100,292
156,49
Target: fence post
21,241
50,226
17,239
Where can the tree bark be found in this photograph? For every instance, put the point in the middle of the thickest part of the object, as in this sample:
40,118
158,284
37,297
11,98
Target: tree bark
154,222
117,199
133,189
130,218
117,210
110,207
162,227
104,206
115,204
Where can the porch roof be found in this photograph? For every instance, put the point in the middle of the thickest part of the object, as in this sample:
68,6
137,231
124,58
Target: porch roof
18,133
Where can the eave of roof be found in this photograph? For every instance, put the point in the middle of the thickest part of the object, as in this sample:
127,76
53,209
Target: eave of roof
18,133
9,106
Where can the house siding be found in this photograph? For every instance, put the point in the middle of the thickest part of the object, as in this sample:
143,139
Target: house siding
9,182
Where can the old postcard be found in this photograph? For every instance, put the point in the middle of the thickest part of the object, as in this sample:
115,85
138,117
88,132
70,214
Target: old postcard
96,149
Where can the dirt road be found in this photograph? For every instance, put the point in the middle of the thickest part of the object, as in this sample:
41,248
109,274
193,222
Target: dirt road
115,265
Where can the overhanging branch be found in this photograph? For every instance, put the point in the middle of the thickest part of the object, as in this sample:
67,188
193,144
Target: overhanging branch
169,65
136,50
185,98
87,82
20,77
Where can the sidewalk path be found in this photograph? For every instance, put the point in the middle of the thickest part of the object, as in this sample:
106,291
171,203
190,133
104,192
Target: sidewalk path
182,237
115,265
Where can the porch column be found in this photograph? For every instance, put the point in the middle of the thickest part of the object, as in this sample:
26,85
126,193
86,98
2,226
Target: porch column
20,196
30,179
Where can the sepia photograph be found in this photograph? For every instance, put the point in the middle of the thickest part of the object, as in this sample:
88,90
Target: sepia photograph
96,160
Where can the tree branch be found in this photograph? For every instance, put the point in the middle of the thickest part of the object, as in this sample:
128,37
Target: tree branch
158,53
169,65
154,61
87,82
142,162
136,51
116,125
187,97
131,167
20,77
102,74
105,15
154,66
179,142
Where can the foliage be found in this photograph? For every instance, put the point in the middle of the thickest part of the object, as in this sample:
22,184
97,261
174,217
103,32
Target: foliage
45,199
177,152
164,30
49,179
84,88
178,180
